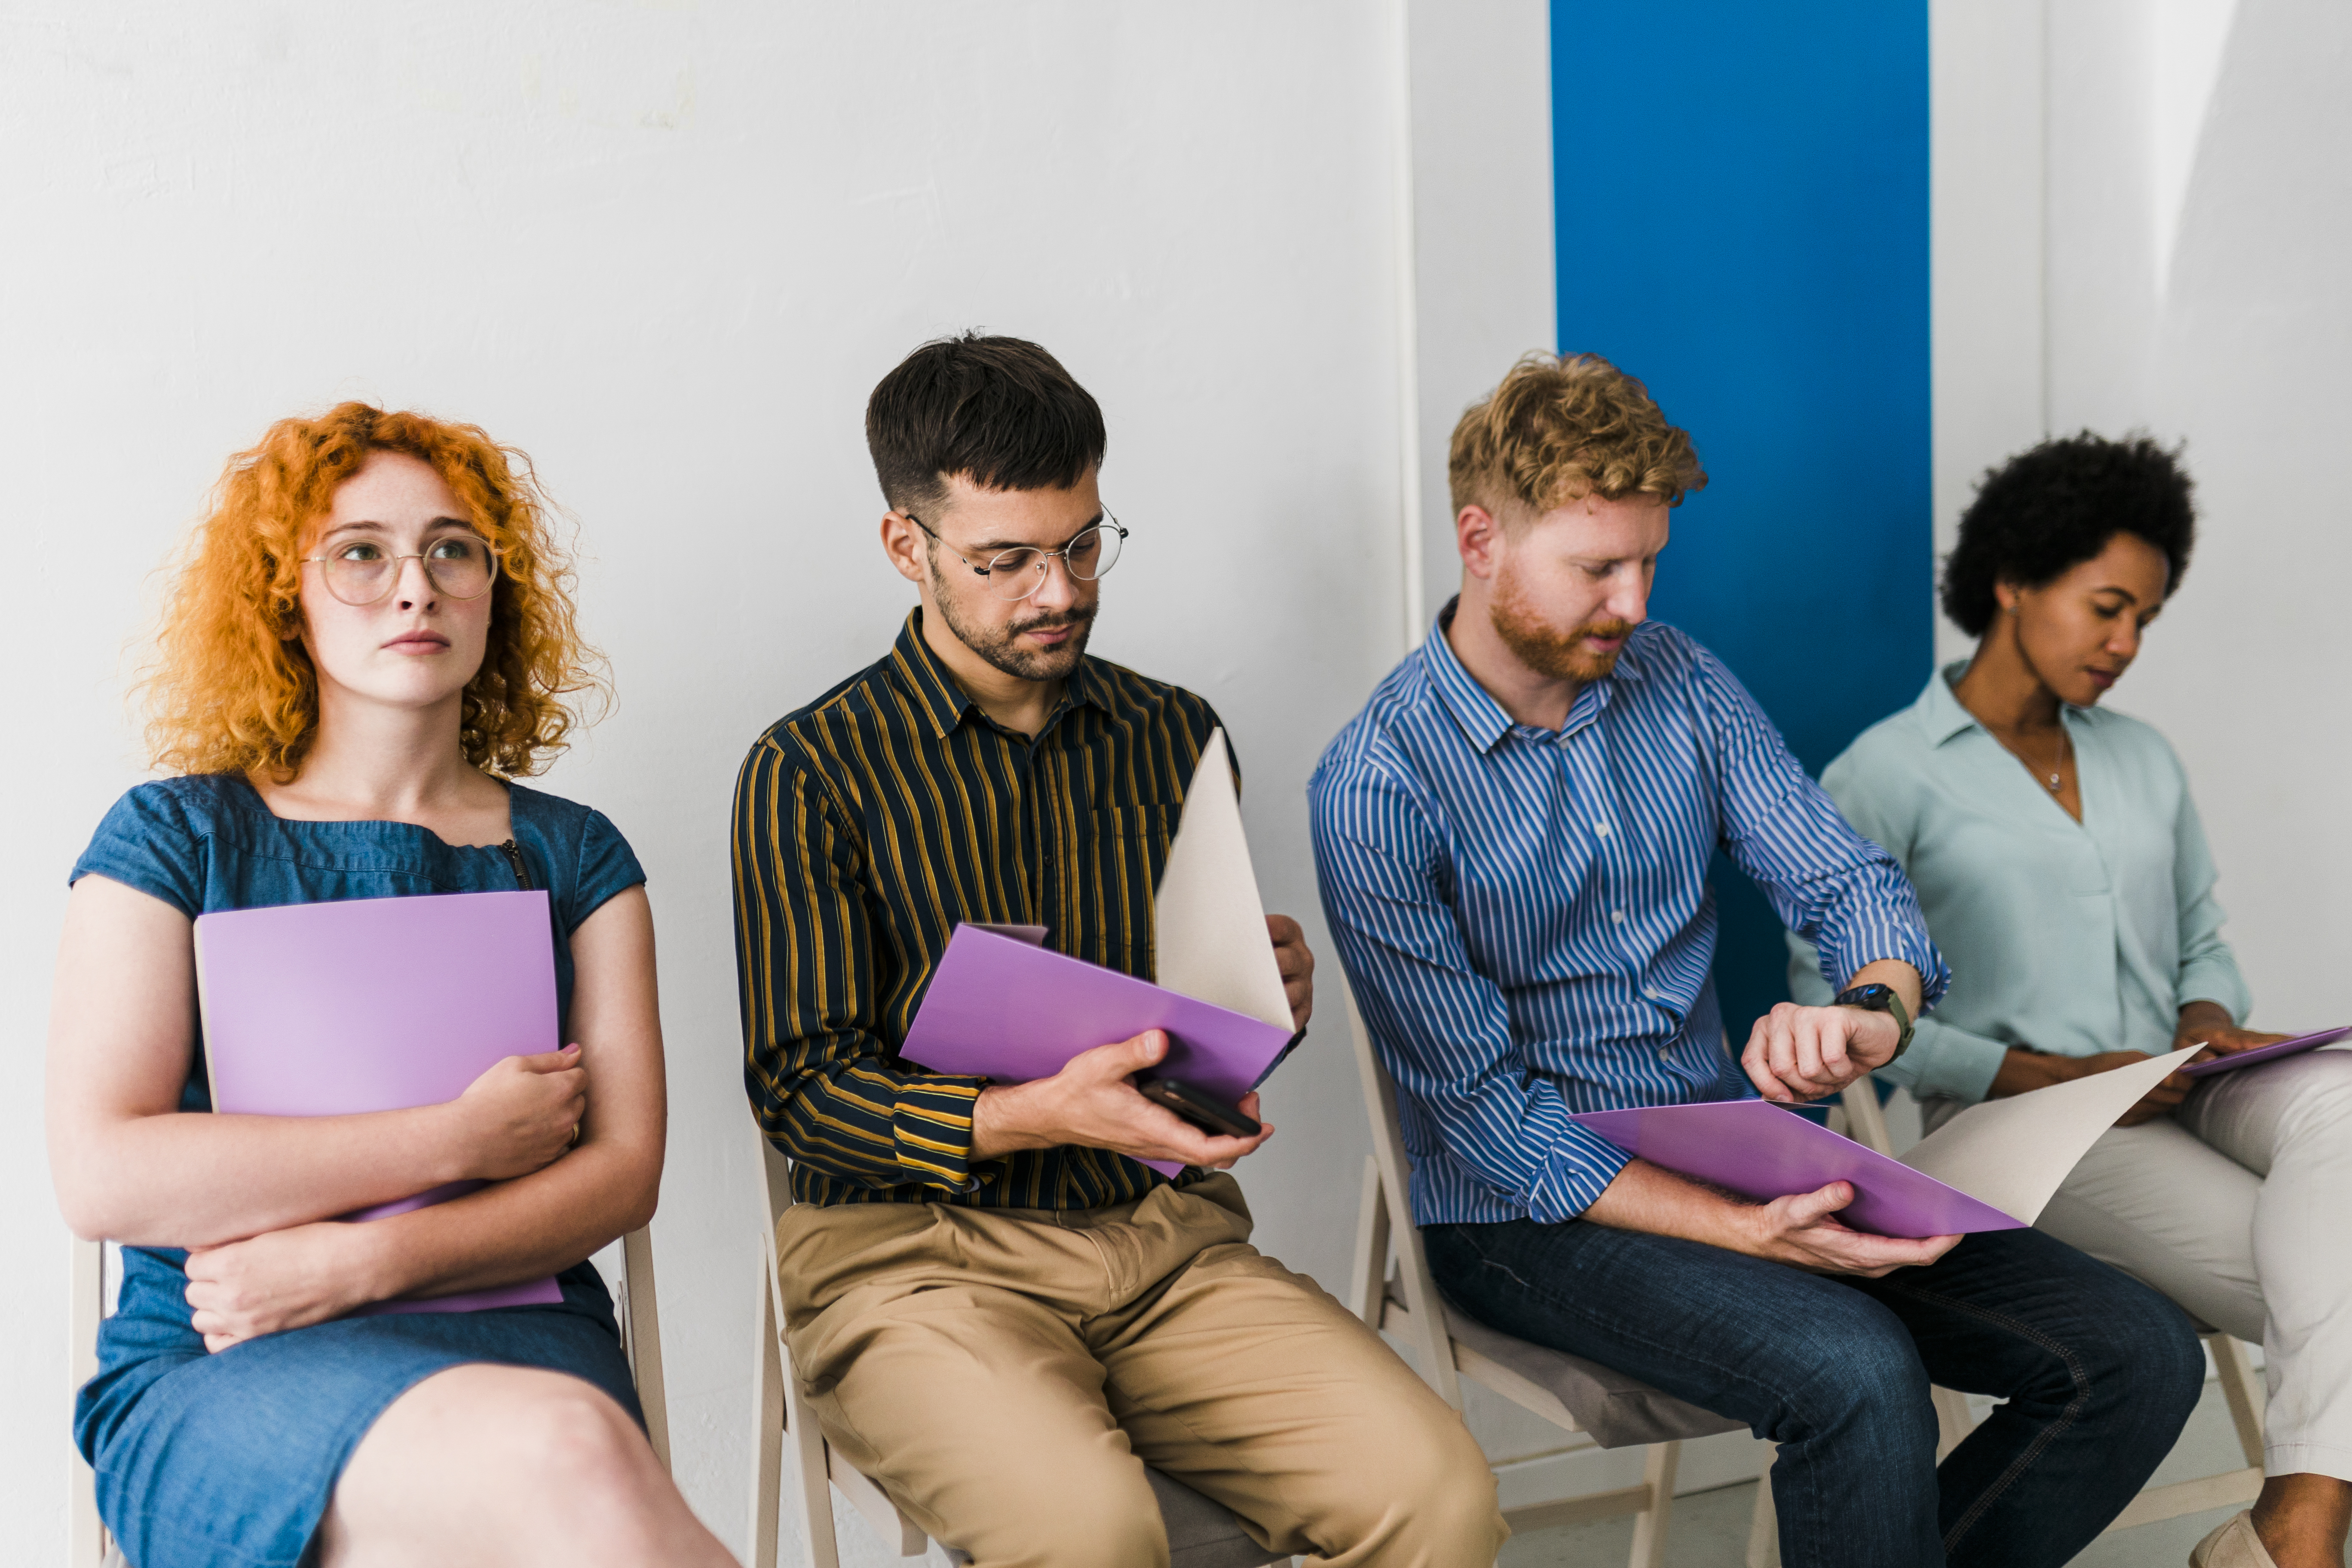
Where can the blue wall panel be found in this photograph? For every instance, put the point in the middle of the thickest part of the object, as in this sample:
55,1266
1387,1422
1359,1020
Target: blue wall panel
1741,194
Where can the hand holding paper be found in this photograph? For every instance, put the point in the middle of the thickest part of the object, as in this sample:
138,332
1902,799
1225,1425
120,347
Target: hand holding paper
1992,1167
2013,1153
1006,1009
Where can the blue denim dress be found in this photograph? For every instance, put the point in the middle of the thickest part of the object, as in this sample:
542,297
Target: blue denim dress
207,1461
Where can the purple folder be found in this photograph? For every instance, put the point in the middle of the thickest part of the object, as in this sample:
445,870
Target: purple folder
1754,1148
2264,1053
1000,1008
366,1005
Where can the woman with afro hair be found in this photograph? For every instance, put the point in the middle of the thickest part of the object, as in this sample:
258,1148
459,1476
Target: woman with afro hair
2063,872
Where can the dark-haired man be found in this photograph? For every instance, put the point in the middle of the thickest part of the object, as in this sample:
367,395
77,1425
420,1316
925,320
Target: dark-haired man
1513,841
996,1310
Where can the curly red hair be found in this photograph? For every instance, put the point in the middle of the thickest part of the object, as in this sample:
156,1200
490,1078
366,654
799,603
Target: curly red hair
231,689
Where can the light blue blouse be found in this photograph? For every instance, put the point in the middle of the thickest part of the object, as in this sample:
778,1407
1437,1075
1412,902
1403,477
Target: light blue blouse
2071,937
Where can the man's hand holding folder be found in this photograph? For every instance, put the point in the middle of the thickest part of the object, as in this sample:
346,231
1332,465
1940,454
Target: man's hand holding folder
1094,1102
1235,986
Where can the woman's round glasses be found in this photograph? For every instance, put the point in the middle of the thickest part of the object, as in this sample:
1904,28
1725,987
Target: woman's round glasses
361,571
1017,573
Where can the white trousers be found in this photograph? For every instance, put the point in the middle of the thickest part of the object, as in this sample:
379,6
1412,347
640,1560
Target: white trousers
2239,1208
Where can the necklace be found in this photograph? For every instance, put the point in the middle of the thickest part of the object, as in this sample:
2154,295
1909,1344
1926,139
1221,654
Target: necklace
2058,762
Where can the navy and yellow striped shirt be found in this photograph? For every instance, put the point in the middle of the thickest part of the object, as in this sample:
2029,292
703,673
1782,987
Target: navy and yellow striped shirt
871,821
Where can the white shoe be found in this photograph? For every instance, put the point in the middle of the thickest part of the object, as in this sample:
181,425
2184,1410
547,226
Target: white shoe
2234,1545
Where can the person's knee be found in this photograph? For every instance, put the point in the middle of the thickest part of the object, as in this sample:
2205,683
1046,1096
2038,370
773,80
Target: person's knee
1421,1490
1854,1374
1085,1524
573,1444
2145,1352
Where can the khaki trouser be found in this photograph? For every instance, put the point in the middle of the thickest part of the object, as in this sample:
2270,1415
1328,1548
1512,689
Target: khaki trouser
1004,1373
2234,1207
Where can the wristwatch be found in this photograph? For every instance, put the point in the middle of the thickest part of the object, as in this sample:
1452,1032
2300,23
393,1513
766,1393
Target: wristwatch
1880,999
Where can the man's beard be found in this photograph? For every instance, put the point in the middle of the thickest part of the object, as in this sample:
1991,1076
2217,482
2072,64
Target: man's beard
1002,648
1561,654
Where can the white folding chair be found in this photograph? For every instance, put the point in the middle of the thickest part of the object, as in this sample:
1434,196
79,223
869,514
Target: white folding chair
1605,1408
91,1545
1201,1533
1866,1124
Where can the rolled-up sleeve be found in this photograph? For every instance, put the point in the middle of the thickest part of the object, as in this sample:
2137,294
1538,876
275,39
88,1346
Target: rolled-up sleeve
1442,1029
825,1091
1830,885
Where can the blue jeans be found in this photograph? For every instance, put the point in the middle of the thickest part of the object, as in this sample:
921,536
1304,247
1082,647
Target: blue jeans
2098,1372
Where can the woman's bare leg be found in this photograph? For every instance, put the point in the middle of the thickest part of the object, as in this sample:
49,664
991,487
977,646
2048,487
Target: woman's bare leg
2303,1520
508,1467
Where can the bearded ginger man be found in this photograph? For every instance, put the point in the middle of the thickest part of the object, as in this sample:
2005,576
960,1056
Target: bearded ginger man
1513,841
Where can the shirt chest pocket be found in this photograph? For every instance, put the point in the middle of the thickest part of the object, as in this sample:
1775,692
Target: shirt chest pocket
1120,858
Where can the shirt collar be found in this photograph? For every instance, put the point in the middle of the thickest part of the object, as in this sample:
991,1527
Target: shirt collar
1482,719
944,701
1941,715
1473,707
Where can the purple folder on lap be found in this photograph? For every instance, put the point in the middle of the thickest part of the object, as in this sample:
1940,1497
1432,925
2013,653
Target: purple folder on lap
363,1004
2264,1053
1758,1150
999,1007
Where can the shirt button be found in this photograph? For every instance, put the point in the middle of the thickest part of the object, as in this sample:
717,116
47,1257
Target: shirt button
1618,916
1649,993
1601,828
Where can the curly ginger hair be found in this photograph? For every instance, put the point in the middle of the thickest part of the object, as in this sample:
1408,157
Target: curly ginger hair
233,689
1563,427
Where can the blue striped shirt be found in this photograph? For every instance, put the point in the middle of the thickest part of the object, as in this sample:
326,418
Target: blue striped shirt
1525,916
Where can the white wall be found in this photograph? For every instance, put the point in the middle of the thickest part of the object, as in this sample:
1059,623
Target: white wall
2167,186
668,249
1482,194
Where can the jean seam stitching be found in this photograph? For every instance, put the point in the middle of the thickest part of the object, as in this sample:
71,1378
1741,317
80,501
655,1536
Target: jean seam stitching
2047,1435
1729,1372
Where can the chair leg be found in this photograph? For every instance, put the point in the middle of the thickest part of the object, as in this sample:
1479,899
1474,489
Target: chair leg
787,1421
1952,1420
2243,1390
1650,1524
1764,1526
1368,1281
767,1428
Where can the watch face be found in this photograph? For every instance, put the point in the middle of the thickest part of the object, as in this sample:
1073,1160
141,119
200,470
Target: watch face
1875,996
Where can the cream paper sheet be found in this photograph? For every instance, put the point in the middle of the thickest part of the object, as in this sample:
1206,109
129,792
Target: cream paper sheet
1211,934
2012,1153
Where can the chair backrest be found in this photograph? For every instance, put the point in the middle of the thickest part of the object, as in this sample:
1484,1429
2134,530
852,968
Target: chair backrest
1392,1169
89,1543
640,1316
86,1540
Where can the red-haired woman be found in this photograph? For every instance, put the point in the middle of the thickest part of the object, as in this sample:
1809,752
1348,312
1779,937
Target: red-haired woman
368,639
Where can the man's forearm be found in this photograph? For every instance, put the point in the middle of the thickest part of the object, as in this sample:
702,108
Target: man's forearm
1648,1198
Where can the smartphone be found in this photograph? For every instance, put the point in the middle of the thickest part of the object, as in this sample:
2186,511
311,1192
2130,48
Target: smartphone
1203,1110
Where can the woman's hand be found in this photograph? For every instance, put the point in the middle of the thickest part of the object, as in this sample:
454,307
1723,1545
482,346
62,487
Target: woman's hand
279,1279
2209,1024
2025,1070
520,1115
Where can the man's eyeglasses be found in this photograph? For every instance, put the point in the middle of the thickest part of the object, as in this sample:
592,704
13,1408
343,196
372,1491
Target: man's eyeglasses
361,571
1017,573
